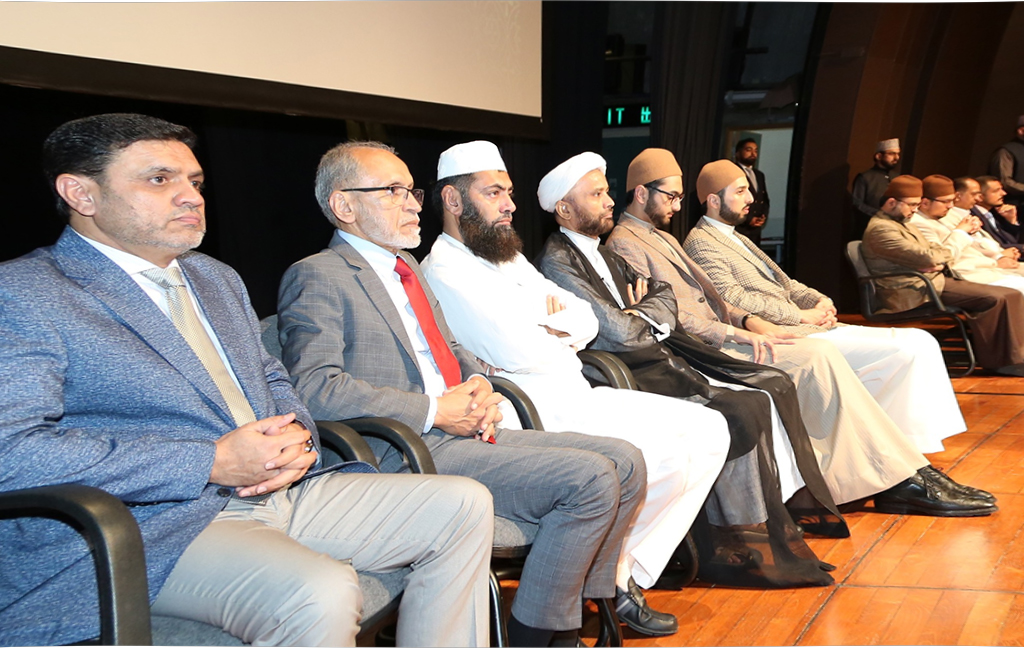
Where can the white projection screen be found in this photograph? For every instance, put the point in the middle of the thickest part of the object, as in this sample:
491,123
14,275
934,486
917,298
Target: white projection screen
409,59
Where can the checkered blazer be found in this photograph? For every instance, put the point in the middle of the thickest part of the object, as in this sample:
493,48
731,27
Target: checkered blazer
742,282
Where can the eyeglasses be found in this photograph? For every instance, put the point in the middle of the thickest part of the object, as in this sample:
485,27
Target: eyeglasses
913,205
672,197
947,201
397,193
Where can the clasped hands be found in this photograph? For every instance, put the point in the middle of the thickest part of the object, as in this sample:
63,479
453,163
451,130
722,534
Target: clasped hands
263,456
469,409
823,314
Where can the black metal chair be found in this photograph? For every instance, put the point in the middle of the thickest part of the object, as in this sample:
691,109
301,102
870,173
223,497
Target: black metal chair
113,535
955,340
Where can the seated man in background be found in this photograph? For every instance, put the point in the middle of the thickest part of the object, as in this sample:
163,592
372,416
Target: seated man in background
363,336
528,330
967,260
134,365
892,244
901,368
860,449
999,218
968,193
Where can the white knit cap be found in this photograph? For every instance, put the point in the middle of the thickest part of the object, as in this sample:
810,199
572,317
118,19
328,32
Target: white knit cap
887,145
560,180
470,157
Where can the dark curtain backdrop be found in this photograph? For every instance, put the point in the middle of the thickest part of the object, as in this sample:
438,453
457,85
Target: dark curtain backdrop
262,215
690,59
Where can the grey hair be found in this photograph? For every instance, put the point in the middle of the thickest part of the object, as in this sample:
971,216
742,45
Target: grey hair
339,168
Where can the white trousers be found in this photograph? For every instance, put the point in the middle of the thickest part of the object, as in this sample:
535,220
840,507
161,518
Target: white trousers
902,368
684,445
1014,281
284,574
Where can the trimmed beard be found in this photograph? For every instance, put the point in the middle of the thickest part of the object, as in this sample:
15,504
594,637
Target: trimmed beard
660,220
495,244
730,217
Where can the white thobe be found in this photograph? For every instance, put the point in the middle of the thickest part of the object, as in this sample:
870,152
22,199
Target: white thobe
968,260
902,368
499,312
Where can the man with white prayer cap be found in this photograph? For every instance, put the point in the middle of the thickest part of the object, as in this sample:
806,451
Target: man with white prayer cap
869,186
528,330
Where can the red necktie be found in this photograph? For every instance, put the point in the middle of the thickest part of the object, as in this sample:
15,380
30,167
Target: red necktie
443,355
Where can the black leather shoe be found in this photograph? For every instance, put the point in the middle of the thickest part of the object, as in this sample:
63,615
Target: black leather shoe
934,474
632,608
919,496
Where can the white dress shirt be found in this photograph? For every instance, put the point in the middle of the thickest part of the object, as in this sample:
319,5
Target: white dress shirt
135,266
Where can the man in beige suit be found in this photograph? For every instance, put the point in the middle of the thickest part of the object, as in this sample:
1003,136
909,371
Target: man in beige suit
860,450
892,244
901,368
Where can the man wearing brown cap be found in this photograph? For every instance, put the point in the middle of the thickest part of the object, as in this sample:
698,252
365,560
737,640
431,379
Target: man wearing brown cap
1007,164
892,244
967,259
860,449
902,368
869,185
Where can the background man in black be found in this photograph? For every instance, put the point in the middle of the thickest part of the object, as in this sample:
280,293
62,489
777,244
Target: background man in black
746,157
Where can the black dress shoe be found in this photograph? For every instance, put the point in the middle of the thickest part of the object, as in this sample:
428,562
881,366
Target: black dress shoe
919,496
933,473
1011,370
633,610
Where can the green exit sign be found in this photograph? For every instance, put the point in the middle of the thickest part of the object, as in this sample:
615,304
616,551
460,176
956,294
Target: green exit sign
626,116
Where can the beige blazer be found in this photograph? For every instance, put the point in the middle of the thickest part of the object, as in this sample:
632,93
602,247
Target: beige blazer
891,246
657,254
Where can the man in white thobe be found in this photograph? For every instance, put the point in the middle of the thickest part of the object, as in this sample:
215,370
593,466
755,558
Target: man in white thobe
967,260
968,192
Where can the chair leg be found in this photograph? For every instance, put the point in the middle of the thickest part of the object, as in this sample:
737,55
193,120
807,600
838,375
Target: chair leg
611,630
499,631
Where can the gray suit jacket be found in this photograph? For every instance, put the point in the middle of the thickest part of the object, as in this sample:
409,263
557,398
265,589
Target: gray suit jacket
101,389
344,343
744,284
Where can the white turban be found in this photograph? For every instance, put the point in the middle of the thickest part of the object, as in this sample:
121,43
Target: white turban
470,157
560,180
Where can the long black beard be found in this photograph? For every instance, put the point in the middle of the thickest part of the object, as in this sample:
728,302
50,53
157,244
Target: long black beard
495,244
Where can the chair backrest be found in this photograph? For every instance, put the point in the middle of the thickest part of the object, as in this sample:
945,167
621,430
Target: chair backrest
268,331
866,287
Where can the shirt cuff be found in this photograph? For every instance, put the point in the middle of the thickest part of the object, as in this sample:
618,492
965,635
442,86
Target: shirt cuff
431,413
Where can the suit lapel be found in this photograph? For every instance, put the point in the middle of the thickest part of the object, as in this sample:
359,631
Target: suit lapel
742,250
132,307
376,292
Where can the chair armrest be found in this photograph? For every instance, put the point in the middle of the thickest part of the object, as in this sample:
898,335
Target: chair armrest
932,293
399,435
114,537
614,370
525,409
345,441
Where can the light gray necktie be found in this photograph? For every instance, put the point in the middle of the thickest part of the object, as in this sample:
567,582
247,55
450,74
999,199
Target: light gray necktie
185,318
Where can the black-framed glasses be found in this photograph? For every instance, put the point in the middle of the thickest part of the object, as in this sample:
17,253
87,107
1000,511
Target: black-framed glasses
672,197
397,193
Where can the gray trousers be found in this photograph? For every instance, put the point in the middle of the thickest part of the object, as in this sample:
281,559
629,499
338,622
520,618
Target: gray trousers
582,490
284,574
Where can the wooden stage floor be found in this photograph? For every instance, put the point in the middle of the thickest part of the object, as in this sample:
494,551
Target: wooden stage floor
900,579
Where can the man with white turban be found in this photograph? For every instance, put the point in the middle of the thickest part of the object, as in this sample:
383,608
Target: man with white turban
528,330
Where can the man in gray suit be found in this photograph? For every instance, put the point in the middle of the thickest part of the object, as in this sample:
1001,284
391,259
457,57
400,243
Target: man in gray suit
134,365
363,336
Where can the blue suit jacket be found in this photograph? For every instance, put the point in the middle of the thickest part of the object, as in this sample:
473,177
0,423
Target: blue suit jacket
100,389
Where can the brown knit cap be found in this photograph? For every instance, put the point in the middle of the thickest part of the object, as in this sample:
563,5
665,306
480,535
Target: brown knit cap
904,186
937,185
652,164
716,176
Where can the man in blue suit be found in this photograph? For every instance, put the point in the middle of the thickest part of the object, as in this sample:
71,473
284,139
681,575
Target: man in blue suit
134,365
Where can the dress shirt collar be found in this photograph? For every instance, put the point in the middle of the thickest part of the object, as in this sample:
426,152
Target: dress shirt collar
127,261
724,228
382,261
645,224
586,244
